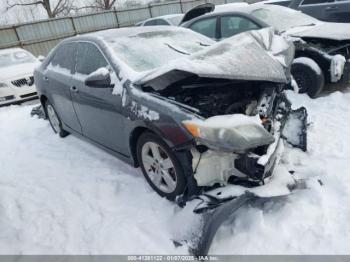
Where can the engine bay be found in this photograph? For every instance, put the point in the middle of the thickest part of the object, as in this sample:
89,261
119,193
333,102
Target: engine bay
223,98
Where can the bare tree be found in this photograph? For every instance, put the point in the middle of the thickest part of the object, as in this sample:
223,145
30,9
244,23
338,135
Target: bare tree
52,8
104,4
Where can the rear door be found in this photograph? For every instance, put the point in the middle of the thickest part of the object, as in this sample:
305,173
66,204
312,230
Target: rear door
58,81
98,110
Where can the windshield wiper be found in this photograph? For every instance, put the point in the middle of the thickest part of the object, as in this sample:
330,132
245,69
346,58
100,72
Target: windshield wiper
177,50
202,44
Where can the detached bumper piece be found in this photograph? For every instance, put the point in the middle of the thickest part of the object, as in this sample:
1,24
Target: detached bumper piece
214,213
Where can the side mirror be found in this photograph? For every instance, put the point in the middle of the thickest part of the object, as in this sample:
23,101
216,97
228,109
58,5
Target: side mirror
100,78
41,58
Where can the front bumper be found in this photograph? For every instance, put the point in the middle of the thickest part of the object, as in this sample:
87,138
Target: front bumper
13,100
17,95
256,166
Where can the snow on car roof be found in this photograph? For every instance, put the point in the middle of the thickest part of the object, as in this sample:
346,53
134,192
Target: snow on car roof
11,50
232,7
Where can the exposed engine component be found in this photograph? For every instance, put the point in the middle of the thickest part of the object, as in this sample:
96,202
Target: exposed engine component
223,99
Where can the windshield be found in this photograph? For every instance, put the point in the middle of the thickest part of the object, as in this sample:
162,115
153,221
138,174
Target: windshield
176,20
149,50
283,18
15,58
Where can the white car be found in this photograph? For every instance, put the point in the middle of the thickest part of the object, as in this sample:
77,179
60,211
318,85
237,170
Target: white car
16,76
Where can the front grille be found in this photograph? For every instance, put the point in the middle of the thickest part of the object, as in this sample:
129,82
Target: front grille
28,95
28,81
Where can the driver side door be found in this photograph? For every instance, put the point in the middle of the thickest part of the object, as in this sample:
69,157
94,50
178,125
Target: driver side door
98,110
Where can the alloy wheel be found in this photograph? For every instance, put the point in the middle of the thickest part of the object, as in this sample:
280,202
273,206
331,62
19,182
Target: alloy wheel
159,167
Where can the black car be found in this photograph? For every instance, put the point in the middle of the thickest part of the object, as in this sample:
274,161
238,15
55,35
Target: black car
322,49
325,10
193,114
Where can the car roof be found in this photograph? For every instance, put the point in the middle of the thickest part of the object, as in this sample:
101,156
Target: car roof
11,50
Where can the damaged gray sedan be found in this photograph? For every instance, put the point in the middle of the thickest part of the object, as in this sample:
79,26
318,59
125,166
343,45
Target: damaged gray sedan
192,113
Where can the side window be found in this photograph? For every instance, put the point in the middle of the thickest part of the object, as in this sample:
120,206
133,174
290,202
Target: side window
205,27
232,25
64,56
162,22
315,2
151,22
89,59
156,22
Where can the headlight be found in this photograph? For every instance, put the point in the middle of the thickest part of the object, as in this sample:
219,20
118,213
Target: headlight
3,85
230,136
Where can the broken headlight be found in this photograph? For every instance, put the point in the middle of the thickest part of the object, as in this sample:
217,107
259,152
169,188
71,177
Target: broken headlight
233,138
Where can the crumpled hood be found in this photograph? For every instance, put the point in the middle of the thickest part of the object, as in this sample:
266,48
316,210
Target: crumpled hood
334,31
256,55
17,71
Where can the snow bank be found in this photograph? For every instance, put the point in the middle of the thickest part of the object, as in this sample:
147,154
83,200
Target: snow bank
65,196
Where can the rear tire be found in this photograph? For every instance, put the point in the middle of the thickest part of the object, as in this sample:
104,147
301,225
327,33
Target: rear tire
160,166
308,75
54,120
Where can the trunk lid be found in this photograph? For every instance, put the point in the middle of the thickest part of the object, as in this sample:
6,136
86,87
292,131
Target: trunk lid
197,11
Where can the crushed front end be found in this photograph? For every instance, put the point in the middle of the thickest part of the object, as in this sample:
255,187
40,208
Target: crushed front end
217,160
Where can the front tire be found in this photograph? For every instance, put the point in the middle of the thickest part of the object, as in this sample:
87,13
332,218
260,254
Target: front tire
54,120
160,166
308,75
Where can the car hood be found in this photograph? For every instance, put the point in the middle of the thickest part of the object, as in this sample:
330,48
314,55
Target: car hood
256,55
333,31
17,71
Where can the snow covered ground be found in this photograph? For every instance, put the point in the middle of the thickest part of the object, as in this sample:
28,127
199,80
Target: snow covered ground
65,196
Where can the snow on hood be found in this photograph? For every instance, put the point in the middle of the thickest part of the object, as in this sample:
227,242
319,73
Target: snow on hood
256,55
334,31
17,71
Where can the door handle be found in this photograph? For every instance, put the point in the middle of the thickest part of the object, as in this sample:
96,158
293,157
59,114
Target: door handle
331,8
74,89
